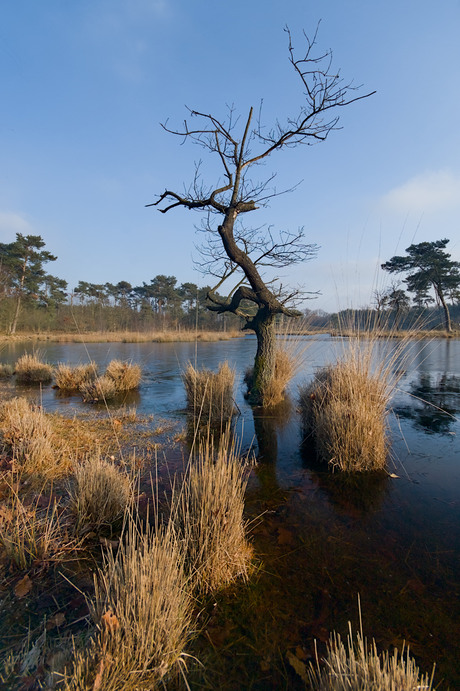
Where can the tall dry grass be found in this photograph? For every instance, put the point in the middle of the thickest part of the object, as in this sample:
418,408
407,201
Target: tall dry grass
345,407
357,666
100,492
30,369
143,612
210,394
69,378
208,512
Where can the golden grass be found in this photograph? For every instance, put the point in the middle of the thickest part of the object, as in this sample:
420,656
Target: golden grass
100,389
100,492
345,408
126,375
210,394
6,371
69,378
358,667
29,369
208,513
28,434
143,612
31,534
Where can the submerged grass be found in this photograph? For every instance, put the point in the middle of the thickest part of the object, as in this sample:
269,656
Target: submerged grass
210,394
207,510
143,612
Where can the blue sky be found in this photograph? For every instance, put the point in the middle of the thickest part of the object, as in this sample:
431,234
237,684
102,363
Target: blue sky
85,85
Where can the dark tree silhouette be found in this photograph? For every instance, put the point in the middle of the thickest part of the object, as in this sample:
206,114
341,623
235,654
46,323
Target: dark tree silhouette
24,259
428,267
233,250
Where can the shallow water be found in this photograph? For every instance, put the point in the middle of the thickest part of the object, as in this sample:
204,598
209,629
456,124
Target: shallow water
322,539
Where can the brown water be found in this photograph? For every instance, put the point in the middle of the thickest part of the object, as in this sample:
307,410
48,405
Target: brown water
322,540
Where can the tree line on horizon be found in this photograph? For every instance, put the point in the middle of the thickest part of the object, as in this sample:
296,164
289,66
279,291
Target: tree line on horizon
33,300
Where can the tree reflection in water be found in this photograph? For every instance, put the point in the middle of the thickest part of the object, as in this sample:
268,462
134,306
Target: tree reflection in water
433,403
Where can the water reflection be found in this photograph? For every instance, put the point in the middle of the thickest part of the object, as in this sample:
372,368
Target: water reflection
352,494
434,402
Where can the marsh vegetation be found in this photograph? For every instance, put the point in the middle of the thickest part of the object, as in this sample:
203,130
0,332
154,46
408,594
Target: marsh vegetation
115,492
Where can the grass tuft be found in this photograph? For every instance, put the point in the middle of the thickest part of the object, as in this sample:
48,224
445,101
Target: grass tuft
126,375
100,492
210,394
30,369
143,612
100,389
69,378
357,666
208,514
345,408
28,434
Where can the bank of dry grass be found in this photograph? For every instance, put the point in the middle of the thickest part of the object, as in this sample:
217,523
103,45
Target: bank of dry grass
207,510
123,336
210,394
357,666
143,612
30,369
345,408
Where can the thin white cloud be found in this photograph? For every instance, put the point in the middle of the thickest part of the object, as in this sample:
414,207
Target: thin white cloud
430,191
12,223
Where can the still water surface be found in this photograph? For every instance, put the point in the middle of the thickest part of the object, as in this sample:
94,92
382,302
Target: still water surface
323,539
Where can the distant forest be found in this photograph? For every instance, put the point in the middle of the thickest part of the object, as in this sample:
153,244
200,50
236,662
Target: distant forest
34,301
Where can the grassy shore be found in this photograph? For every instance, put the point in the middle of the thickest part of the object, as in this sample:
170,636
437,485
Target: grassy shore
122,336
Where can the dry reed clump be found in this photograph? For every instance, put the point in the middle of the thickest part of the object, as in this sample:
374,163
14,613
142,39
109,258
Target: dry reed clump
345,410
29,369
72,378
208,513
210,394
6,371
31,534
100,389
126,375
143,612
100,492
28,434
359,667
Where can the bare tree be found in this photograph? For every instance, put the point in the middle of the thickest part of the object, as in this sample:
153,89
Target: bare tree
231,250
